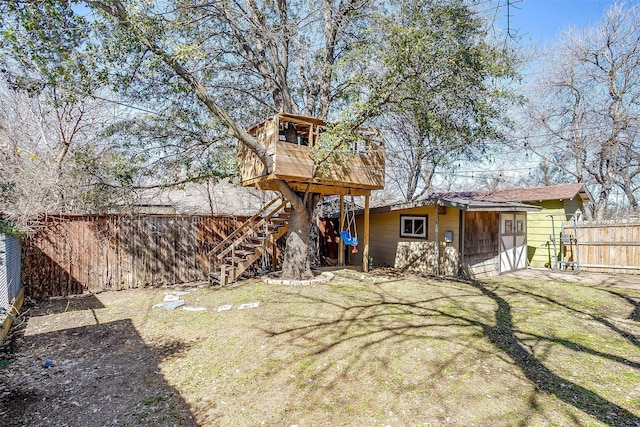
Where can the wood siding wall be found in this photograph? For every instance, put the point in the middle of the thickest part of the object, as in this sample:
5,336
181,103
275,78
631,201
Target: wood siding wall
481,244
386,247
605,247
72,254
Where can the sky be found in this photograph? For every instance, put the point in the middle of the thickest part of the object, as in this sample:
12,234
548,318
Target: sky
536,24
541,21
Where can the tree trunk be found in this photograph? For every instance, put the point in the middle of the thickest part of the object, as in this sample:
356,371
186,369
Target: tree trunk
296,264
631,197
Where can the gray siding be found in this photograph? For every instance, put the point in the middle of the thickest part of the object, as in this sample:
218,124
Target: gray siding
9,269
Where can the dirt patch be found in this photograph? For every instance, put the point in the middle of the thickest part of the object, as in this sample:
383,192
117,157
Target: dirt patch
99,374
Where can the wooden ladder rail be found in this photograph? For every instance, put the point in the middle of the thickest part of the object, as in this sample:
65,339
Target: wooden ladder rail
240,267
251,231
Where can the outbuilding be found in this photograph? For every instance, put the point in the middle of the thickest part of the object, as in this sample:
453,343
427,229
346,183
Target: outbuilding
558,203
451,234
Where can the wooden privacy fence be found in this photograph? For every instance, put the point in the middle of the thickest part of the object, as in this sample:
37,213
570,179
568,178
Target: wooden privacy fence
605,247
94,253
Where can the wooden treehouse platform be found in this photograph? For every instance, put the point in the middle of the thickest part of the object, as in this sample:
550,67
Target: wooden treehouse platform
289,139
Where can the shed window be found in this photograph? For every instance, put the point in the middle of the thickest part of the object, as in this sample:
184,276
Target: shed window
413,226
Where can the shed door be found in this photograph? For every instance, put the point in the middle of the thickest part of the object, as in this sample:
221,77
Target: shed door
513,242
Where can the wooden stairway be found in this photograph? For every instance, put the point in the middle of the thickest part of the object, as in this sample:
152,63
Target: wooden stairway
250,241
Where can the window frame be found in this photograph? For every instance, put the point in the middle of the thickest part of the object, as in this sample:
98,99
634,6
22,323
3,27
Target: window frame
423,236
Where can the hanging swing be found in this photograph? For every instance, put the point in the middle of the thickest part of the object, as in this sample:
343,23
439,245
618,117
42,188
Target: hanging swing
347,237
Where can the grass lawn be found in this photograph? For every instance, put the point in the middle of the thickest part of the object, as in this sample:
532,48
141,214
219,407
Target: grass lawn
361,350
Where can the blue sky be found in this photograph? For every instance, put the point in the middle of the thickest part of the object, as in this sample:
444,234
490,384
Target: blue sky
541,21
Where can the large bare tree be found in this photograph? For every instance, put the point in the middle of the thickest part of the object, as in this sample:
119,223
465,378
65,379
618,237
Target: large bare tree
584,116
51,154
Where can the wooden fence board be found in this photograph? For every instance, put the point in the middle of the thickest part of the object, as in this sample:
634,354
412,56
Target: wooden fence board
72,254
608,246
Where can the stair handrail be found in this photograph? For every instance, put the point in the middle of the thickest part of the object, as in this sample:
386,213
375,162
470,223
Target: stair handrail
252,229
238,268
239,229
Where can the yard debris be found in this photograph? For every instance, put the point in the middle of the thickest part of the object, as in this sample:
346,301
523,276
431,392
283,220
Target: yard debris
249,305
225,307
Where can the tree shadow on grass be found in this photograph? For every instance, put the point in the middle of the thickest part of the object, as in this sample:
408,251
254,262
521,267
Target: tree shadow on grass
632,339
635,314
377,317
502,336
102,374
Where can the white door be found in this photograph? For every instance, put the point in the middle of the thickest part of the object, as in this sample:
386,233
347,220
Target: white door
513,242
520,241
507,243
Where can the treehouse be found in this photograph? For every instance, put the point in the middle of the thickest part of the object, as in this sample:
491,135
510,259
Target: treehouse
292,142
303,161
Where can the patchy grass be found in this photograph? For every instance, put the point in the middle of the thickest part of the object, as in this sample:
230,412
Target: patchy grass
363,349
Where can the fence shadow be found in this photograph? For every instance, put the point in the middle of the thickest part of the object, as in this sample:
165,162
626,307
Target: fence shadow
103,374
45,277
66,304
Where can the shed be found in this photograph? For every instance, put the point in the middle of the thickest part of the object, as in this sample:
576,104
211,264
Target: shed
557,203
452,234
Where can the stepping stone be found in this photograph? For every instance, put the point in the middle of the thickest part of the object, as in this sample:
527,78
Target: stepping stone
170,305
194,308
249,305
225,307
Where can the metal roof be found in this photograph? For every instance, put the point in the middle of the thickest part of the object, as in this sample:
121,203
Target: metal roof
460,202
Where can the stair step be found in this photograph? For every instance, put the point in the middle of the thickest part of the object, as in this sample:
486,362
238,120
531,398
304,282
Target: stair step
243,253
272,225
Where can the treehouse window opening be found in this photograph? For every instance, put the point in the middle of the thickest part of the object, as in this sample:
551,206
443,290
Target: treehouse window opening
295,133
360,146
